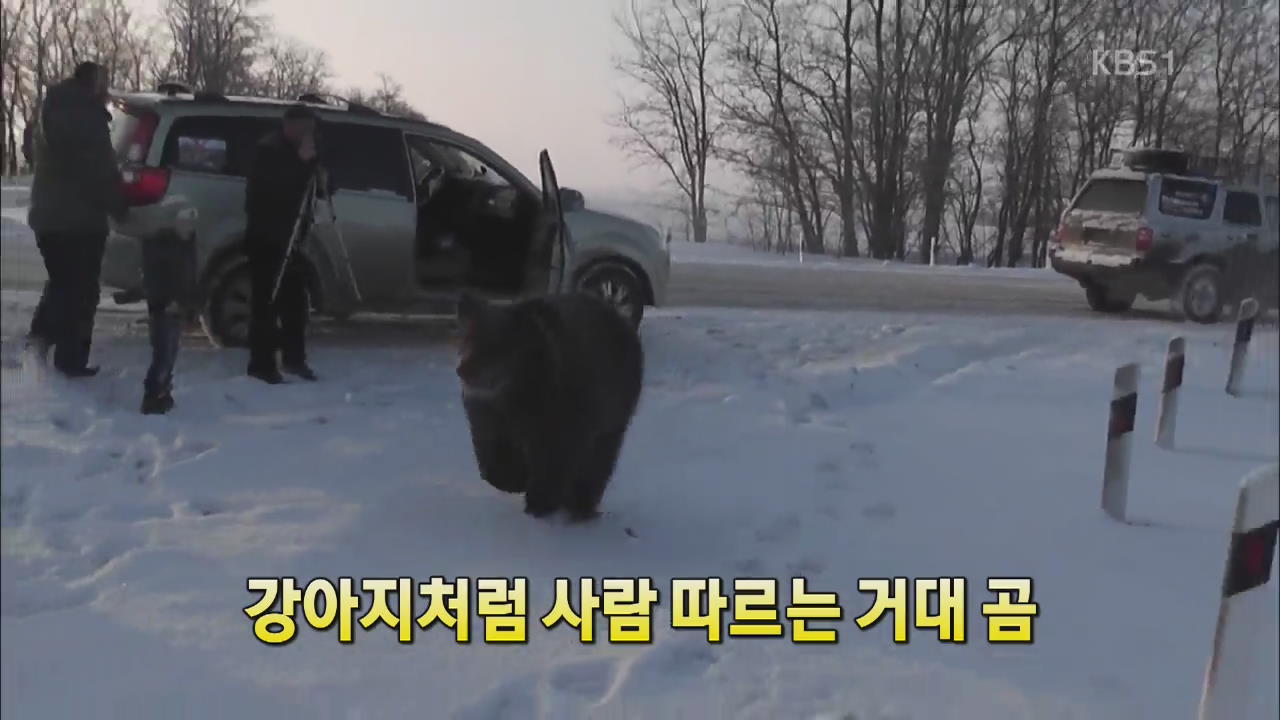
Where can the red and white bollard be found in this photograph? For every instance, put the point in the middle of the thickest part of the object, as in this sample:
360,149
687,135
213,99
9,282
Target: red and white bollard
1228,679
1120,423
1175,361
1244,333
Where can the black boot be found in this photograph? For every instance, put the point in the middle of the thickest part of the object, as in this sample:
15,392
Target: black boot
157,404
301,370
270,376
80,372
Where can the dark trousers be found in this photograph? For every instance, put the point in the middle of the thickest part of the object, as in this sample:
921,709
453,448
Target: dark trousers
168,279
280,326
65,314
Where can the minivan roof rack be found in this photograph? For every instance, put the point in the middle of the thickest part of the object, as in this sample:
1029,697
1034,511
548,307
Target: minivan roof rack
1157,159
173,87
317,98
327,98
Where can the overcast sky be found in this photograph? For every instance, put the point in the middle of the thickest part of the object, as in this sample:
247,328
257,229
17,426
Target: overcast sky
519,75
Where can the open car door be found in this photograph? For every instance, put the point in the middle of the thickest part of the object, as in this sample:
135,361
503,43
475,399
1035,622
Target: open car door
549,249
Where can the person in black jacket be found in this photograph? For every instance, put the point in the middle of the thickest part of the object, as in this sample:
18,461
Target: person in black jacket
285,163
77,186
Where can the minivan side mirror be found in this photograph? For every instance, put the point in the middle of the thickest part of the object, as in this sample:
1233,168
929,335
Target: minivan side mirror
571,200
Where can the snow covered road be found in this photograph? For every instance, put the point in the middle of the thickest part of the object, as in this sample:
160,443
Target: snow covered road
719,275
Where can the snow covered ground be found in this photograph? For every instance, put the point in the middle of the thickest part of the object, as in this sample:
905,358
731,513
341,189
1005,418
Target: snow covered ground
768,444
726,254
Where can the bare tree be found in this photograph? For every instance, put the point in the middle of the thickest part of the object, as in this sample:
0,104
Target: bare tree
387,97
1244,78
956,46
893,38
1048,33
826,80
288,69
968,179
769,109
672,53
213,43
12,21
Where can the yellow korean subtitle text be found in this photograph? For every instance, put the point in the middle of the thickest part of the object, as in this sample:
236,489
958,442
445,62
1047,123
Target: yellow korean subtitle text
715,607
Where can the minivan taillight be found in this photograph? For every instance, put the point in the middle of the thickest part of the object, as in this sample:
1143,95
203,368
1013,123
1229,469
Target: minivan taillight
1145,239
144,185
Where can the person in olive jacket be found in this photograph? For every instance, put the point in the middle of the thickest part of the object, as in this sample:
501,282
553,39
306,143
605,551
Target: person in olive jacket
77,187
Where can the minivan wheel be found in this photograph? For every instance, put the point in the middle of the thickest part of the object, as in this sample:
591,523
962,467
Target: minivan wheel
1199,297
618,286
1103,299
226,314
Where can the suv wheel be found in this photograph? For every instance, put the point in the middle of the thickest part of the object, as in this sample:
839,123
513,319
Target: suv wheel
1199,297
226,314
1103,299
619,287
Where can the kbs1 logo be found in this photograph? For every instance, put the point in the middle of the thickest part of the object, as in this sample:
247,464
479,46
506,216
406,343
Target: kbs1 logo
1130,63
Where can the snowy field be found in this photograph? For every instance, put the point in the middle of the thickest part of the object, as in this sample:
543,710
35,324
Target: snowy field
726,254
768,444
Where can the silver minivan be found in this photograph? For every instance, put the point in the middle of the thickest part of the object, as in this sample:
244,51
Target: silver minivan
419,213
1156,229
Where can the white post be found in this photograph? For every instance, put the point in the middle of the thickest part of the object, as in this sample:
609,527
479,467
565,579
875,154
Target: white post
1167,416
1228,685
1244,333
1120,422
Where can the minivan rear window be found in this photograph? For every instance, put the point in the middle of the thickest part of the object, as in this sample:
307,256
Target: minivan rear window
123,125
216,144
1187,198
1113,196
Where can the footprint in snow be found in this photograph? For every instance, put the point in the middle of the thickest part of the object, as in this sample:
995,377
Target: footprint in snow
866,454
833,477
781,529
685,660
513,700
879,511
590,680
806,567
184,450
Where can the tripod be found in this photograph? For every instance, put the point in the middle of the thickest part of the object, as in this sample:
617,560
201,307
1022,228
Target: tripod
306,209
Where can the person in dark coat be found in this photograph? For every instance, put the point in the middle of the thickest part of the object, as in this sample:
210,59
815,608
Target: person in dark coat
283,167
77,187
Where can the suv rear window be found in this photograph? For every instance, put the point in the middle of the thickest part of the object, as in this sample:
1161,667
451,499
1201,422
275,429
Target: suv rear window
1114,196
1241,208
1187,198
